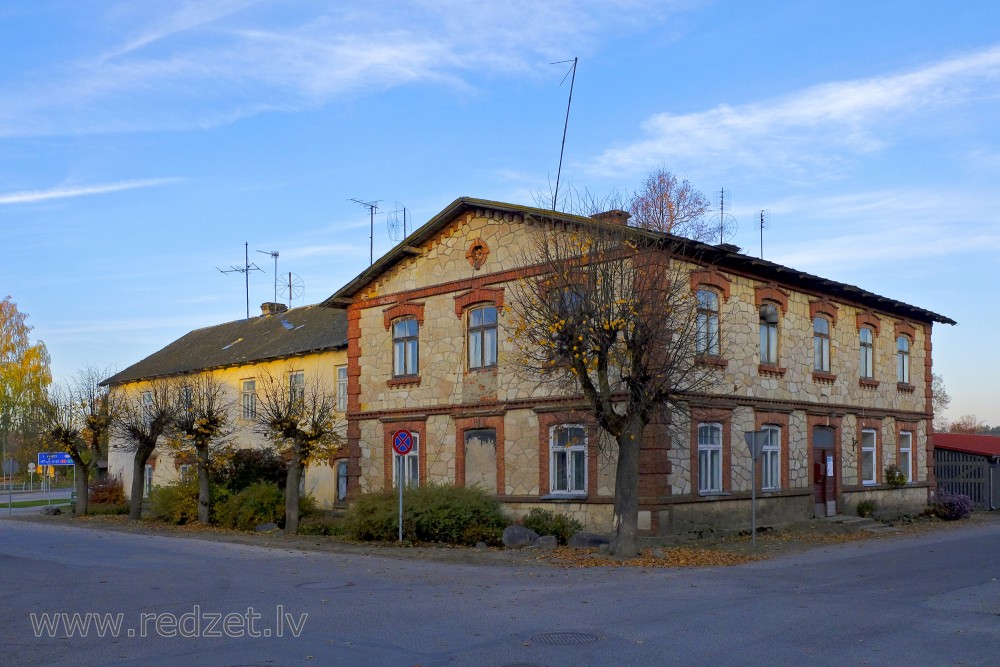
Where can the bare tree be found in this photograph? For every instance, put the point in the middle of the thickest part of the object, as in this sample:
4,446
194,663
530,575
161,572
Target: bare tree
143,417
201,424
79,416
968,424
609,314
299,419
940,401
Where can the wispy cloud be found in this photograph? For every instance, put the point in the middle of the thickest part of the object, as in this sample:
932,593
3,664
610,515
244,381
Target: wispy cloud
67,192
811,128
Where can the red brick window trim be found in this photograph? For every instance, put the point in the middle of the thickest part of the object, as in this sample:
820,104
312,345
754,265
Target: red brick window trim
478,295
710,278
403,381
868,383
477,253
824,378
773,294
770,370
905,329
407,309
868,319
823,307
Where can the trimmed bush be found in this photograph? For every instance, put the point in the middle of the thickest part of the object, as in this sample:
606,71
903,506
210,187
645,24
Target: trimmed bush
546,522
318,524
107,490
254,505
98,509
951,506
432,513
177,503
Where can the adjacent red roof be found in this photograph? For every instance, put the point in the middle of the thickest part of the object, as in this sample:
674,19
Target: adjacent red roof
984,445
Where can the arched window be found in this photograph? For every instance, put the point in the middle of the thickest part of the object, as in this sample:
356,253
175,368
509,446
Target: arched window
707,341
867,353
821,344
768,334
903,360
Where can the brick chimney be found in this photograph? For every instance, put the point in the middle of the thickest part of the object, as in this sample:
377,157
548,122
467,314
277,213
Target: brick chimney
271,308
614,216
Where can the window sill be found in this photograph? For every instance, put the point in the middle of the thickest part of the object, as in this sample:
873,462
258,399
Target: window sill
563,496
868,383
712,360
823,377
714,494
904,388
770,370
405,381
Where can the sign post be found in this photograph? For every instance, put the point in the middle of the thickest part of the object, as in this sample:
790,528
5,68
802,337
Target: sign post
755,443
402,444
54,459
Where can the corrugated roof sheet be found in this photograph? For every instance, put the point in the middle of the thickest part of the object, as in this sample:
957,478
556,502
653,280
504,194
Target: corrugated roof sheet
296,331
984,445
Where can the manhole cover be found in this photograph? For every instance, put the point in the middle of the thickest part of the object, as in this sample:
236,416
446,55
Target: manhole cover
564,638
324,585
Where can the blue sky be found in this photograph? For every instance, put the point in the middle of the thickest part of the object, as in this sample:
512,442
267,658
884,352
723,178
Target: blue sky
141,144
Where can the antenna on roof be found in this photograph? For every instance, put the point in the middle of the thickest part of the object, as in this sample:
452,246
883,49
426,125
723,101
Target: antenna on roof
727,223
372,206
293,287
763,223
245,270
274,254
572,81
394,223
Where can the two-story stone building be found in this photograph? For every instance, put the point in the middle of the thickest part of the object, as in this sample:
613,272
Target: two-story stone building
838,377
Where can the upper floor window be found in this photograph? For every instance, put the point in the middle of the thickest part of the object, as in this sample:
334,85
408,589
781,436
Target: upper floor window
868,462
296,386
341,388
707,340
483,337
771,458
709,458
821,344
404,347
903,360
248,399
867,355
568,462
768,334
185,397
146,399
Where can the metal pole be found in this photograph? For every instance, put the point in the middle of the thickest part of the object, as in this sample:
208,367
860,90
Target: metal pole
562,147
399,464
753,497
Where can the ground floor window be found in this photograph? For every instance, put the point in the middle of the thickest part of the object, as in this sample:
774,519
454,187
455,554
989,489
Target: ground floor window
709,458
906,454
147,480
568,459
770,457
868,456
410,463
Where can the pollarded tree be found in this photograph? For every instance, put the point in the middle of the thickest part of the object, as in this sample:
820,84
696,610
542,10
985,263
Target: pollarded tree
24,372
298,416
79,416
201,425
607,312
143,417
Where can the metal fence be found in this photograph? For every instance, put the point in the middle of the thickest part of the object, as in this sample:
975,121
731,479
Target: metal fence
970,474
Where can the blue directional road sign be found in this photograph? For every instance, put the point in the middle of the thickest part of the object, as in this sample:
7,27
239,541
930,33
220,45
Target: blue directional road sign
54,459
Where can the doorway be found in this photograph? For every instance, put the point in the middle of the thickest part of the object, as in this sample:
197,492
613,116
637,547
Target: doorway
824,472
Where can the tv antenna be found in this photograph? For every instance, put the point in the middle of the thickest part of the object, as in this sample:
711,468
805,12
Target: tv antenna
245,270
764,216
727,223
291,287
396,223
372,206
569,103
274,254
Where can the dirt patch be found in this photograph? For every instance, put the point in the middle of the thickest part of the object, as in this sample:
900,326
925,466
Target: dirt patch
707,552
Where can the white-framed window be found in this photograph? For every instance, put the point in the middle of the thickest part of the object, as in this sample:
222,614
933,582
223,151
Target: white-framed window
411,465
868,456
147,480
248,399
568,459
296,386
707,337
769,334
821,344
903,360
866,360
483,337
906,454
341,388
405,348
184,472
146,399
709,458
770,458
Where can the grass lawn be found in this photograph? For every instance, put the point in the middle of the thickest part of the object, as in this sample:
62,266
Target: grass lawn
36,503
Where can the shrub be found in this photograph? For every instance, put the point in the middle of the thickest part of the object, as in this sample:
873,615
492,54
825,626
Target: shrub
318,524
895,477
107,508
107,490
432,513
177,503
951,506
546,522
254,505
245,467
867,507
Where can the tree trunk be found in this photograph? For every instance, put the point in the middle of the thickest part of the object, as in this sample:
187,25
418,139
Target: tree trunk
203,487
142,454
82,489
625,522
292,495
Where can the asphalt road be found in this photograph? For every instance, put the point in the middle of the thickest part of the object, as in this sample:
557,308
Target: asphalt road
932,599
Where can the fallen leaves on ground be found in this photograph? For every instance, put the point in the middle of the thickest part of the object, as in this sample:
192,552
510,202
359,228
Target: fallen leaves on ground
658,557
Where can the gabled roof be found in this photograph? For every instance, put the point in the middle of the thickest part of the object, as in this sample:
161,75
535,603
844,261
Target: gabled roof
263,338
723,257
984,445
